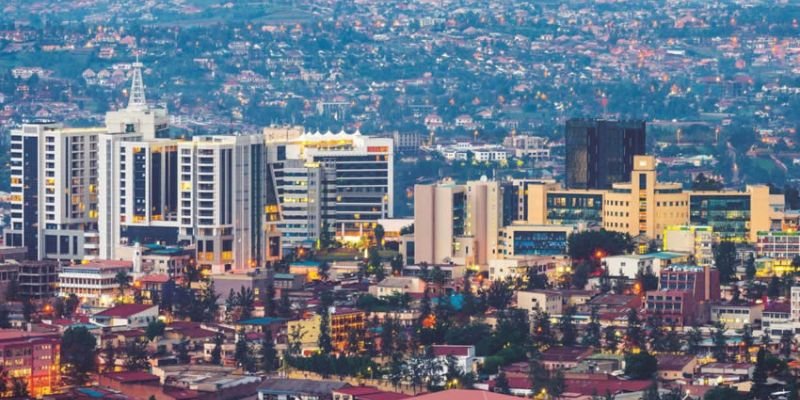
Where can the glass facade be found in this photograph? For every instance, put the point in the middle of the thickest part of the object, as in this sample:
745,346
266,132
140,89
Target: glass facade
538,243
729,215
600,153
574,208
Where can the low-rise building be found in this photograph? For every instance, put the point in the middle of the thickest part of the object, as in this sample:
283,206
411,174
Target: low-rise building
464,356
629,265
564,357
306,389
32,357
736,316
94,282
126,316
397,285
672,367
549,301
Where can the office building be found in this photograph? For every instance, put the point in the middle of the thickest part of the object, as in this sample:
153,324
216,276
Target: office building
779,245
94,283
457,224
701,282
600,152
54,191
644,206
222,200
37,278
521,240
332,184
141,205
695,240
33,357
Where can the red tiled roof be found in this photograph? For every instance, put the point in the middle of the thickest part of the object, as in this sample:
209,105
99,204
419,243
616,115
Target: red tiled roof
155,278
561,353
124,310
463,394
591,387
357,390
131,376
778,307
445,350
384,396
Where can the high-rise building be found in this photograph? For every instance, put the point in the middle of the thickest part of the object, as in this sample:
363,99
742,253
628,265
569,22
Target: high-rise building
138,174
222,200
351,176
600,152
457,223
54,191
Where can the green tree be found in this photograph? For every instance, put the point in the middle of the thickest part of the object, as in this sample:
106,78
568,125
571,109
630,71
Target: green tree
270,308
592,336
378,233
499,294
136,355
285,305
123,281
542,332
536,280
78,355
580,277
642,365
593,245
634,336
750,267
323,270
693,340
787,340
268,353
182,352
245,299
723,393
759,389
719,341
242,354
325,343
611,339
109,356
155,329
397,265
567,327
725,260
501,384
216,352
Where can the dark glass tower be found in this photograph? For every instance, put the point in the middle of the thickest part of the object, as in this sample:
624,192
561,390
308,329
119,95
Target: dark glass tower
600,152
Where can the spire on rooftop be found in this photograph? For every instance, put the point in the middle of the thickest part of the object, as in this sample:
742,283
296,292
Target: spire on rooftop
137,100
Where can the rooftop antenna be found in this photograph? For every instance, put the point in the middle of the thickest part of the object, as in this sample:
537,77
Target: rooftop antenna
137,100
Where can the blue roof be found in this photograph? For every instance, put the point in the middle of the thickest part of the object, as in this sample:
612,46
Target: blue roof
91,393
666,255
261,321
283,275
305,264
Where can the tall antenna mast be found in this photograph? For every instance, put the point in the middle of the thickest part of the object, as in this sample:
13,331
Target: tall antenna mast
137,100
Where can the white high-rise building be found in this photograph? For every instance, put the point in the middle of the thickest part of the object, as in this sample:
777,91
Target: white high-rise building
222,202
337,184
54,191
138,175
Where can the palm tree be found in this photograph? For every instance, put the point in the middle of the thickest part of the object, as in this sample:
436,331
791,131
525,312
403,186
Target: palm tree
123,281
